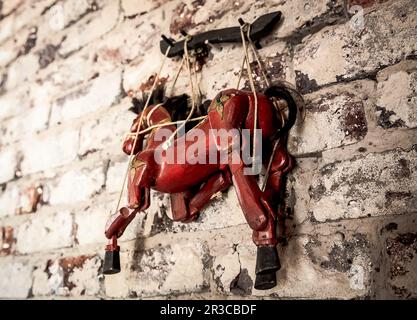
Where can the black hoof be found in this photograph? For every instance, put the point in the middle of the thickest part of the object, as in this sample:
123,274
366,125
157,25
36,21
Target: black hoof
111,262
267,260
265,281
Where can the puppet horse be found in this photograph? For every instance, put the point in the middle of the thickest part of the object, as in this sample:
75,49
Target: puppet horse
192,185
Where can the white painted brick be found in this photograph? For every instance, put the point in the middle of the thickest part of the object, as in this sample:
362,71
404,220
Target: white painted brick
95,134
129,40
13,47
374,185
397,96
162,258
50,151
400,249
165,270
14,103
226,267
134,37
102,93
77,185
8,163
24,13
91,28
115,176
30,122
16,280
6,240
296,14
10,5
65,74
137,73
8,53
342,52
299,14
21,70
73,10
98,58
299,276
224,69
333,117
9,199
48,284
53,28
6,27
136,228
45,232
301,177
68,276
133,7
87,278
116,286
40,94
222,211
97,217
35,118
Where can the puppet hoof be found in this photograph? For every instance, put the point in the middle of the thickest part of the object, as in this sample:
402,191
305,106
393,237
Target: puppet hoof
267,260
267,264
265,281
111,262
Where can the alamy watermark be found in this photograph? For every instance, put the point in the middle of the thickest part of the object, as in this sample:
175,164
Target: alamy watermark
357,22
212,146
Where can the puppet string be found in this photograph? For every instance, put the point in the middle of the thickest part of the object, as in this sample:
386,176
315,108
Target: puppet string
159,125
176,77
274,101
193,103
139,126
252,85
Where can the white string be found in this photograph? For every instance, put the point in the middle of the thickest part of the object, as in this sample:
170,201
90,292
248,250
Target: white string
241,72
251,82
252,85
176,77
138,129
167,143
163,125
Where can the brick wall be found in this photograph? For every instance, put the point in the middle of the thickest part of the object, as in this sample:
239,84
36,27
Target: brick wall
65,70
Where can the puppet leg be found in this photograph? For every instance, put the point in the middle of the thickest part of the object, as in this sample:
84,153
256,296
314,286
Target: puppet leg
282,163
254,203
185,207
139,200
262,220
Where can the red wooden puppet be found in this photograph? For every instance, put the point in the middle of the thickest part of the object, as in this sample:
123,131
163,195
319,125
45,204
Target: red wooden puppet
191,185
